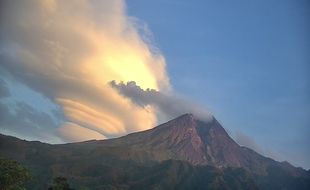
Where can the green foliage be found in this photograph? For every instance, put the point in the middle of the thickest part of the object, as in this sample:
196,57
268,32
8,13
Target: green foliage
60,183
277,178
167,175
13,175
110,168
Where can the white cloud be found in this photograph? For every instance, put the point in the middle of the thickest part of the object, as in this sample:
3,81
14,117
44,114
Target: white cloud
69,50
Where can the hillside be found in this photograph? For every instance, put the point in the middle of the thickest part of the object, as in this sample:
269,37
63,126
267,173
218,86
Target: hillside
184,153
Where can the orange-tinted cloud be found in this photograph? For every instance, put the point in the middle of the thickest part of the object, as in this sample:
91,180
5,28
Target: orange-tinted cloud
69,51
74,133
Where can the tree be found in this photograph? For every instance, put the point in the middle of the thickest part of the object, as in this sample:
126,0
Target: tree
60,183
13,175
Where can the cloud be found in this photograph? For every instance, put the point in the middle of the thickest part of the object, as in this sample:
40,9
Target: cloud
26,122
75,133
69,50
245,140
168,106
4,91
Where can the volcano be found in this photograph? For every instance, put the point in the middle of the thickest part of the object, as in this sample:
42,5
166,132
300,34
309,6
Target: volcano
184,153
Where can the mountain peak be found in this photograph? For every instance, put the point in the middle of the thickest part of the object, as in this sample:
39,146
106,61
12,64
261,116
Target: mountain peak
186,115
196,118
188,120
190,139
182,140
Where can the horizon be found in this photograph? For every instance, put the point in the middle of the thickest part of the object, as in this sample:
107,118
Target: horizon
178,117
73,71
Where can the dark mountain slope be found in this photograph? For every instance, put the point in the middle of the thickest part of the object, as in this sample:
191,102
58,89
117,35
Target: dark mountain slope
184,153
189,139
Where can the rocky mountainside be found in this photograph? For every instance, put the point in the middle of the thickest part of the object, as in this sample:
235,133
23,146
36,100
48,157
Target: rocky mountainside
197,142
184,153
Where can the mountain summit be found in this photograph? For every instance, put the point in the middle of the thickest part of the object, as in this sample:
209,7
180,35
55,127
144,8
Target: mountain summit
177,154
190,139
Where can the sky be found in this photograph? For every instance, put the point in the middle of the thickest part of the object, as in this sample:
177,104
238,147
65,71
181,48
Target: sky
79,70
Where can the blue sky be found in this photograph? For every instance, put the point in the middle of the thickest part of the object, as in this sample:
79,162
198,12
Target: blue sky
247,61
